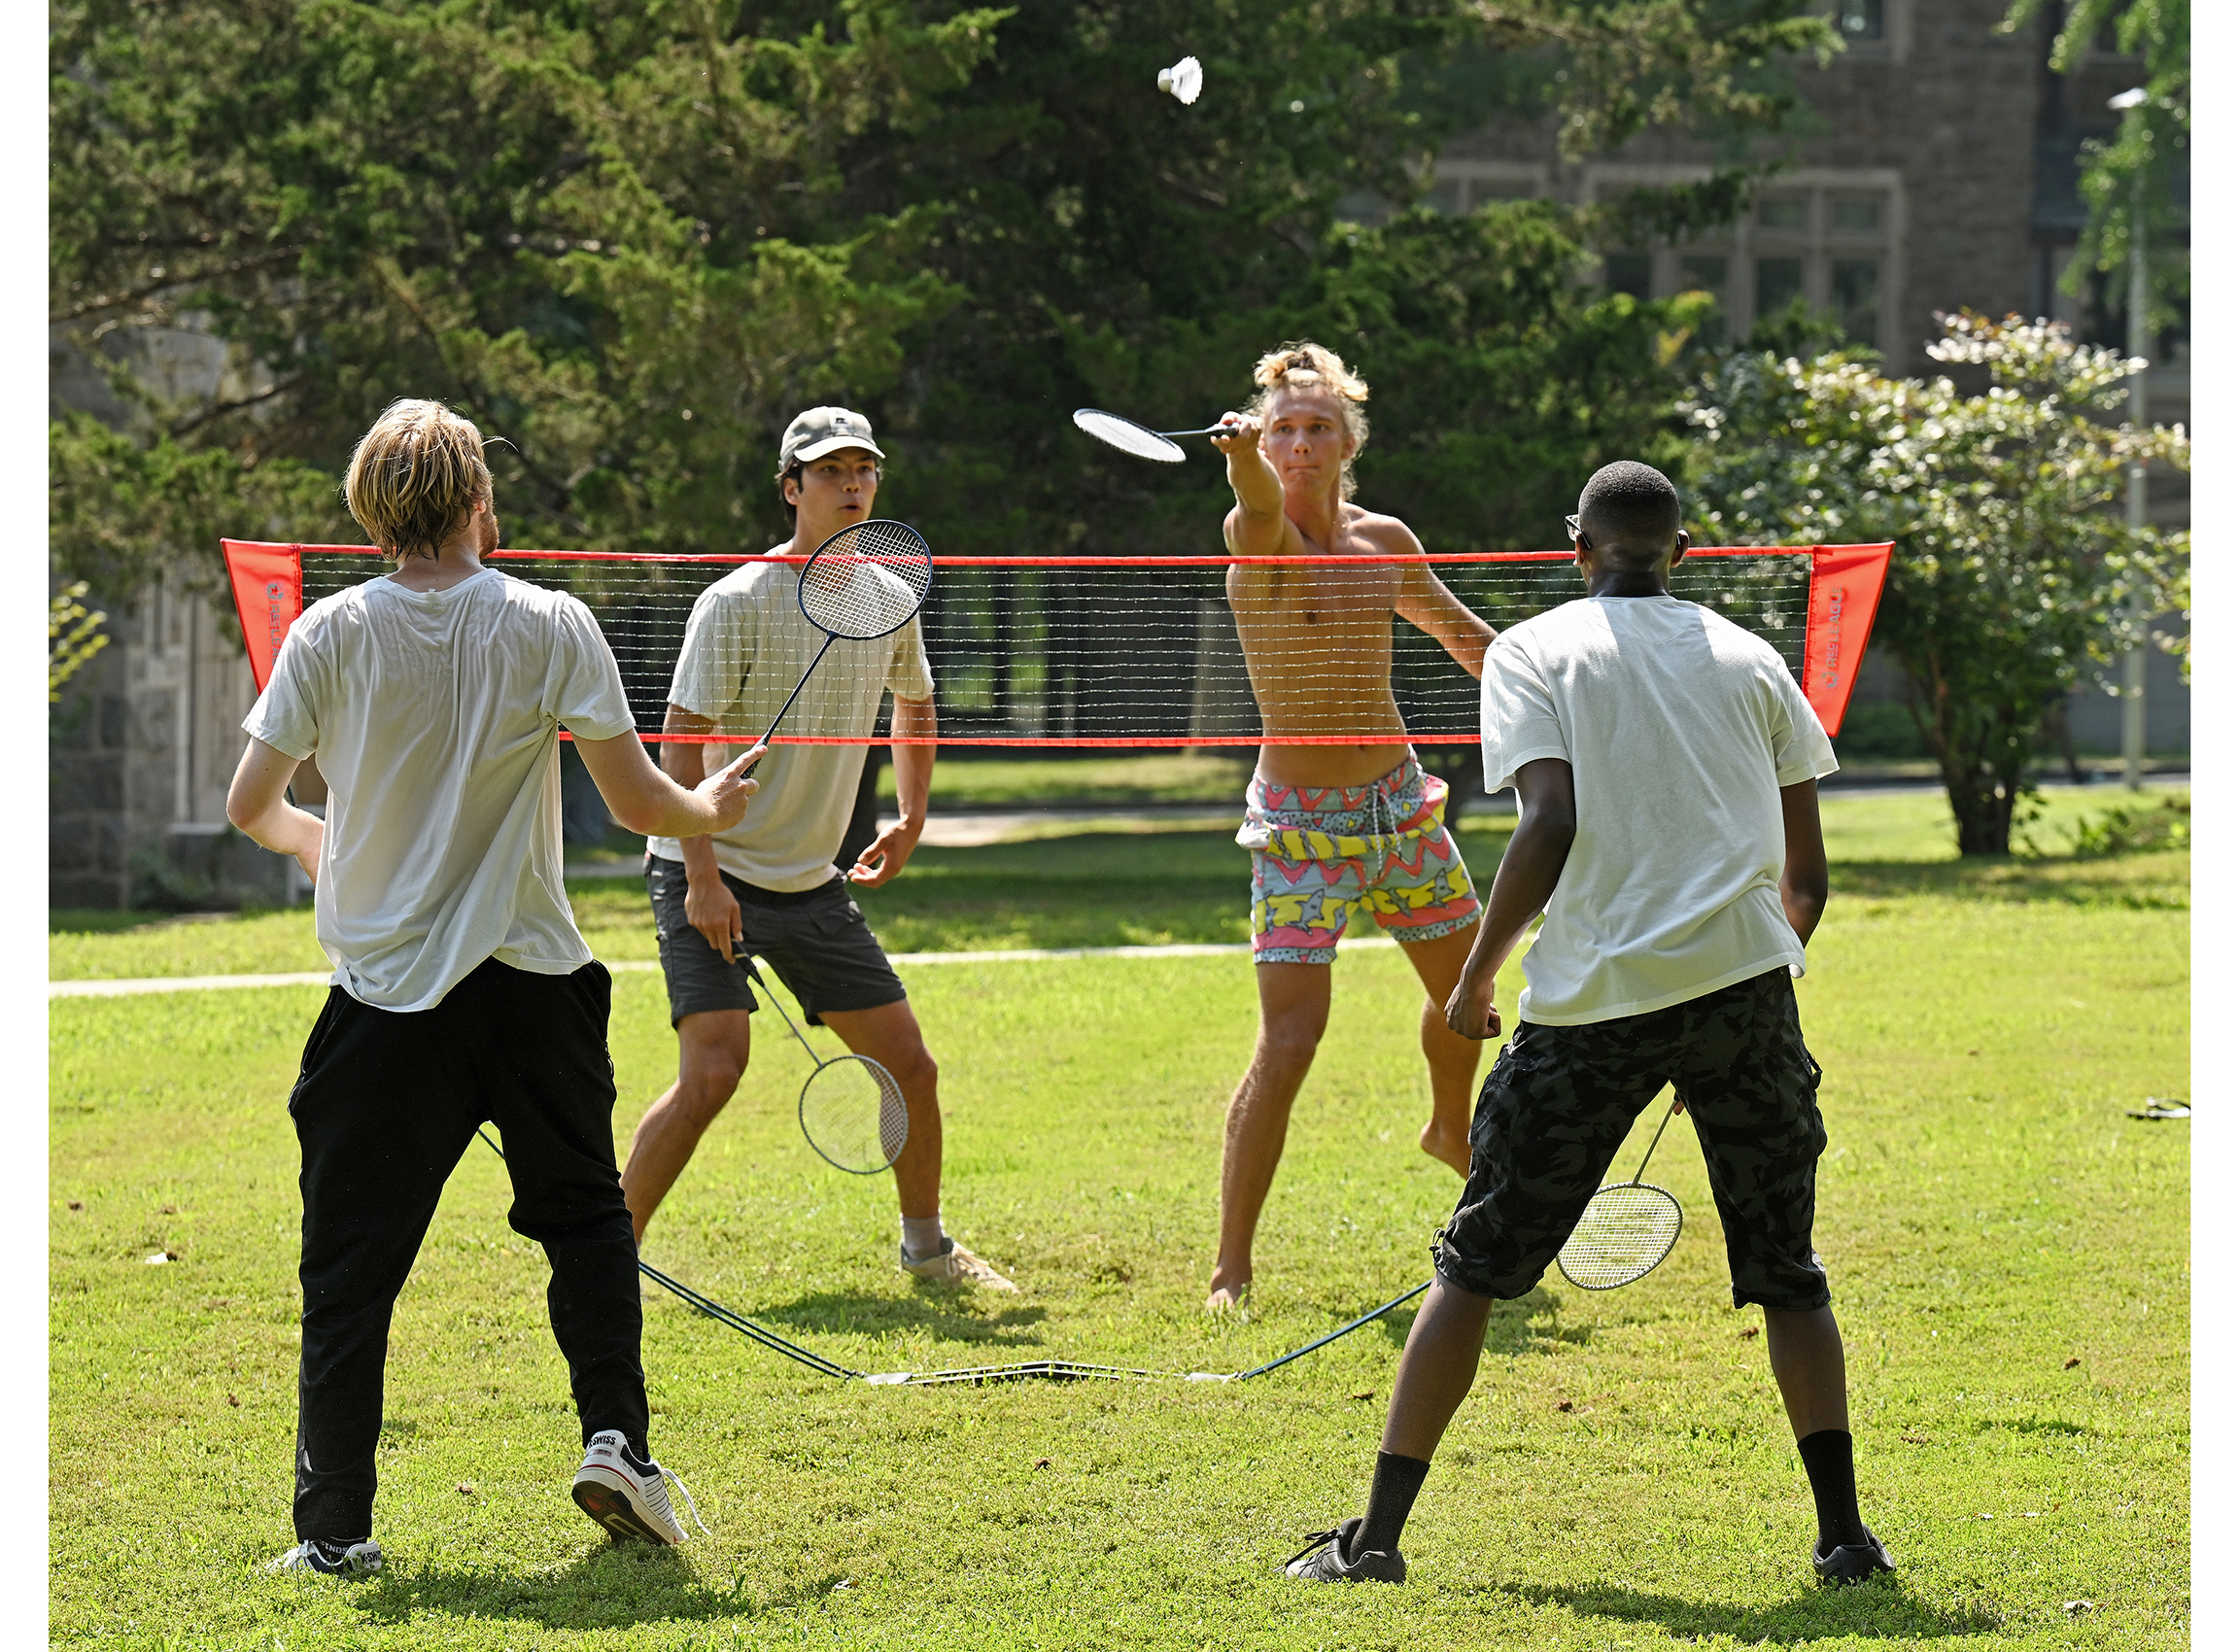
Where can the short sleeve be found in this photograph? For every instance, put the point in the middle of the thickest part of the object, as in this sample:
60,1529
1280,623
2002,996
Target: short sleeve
286,715
1801,748
583,686
910,674
712,666
1518,725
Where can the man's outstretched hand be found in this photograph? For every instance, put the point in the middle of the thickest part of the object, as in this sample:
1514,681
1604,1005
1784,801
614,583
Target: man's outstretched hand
1241,432
727,790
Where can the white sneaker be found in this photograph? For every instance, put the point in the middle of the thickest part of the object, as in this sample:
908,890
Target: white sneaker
331,1557
628,1501
955,1265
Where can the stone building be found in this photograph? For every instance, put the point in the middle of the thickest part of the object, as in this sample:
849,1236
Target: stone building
145,740
1936,170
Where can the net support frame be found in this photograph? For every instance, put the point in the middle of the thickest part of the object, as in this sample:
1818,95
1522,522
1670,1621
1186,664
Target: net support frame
1843,591
1028,1370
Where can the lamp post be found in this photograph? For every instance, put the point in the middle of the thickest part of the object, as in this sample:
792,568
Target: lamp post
2134,662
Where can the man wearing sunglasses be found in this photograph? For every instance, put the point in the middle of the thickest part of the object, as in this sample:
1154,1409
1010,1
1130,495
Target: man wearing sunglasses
1666,770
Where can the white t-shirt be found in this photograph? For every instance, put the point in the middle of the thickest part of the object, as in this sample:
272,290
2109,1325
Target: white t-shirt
435,716
745,646
1680,729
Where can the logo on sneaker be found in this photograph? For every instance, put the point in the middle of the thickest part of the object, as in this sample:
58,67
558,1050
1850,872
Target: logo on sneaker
629,1495
331,1557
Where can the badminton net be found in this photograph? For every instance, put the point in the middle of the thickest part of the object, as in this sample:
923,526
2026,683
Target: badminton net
1105,651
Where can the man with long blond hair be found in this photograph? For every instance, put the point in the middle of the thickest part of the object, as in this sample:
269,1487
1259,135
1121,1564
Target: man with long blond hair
433,700
1340,816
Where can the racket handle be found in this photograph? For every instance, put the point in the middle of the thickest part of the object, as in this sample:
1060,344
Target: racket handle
829,640
1653,1140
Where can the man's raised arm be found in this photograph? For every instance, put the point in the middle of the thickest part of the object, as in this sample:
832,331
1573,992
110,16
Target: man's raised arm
1258,527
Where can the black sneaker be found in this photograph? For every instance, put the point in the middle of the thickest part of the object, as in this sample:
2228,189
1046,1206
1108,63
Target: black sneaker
333,1557
1851,1563
1323,1559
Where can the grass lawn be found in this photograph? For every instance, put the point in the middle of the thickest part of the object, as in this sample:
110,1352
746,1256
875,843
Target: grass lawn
2008,1250
1116,889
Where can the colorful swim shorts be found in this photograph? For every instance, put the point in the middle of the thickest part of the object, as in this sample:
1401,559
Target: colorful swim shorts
1318,853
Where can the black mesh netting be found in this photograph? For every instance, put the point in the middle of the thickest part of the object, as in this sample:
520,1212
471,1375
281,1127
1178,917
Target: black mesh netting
1074,652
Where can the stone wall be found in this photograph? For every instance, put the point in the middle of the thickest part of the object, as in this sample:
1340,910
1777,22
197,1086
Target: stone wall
141,750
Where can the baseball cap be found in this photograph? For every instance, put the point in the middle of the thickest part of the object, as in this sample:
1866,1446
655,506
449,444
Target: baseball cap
821,431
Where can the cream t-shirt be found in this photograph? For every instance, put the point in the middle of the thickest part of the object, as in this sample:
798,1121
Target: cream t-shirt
435,716
1680,729
745,646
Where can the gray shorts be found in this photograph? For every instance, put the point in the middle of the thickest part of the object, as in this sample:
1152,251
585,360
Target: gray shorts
817,940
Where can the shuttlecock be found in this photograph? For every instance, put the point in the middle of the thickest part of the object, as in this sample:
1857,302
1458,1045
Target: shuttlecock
1185,80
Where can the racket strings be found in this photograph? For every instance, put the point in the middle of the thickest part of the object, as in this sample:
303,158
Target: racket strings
1626,1229
1128,436
866,580
853,1114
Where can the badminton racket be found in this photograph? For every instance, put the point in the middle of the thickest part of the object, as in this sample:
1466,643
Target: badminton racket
851,1108
1628,1229
866,581
1140,439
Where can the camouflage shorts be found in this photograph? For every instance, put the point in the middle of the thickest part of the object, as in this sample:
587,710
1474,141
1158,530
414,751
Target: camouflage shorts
1559,1100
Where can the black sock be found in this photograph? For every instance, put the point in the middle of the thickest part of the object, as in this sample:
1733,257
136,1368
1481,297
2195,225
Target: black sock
1826,1459
1391,1500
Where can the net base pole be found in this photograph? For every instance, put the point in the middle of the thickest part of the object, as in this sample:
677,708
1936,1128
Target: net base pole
1323,1341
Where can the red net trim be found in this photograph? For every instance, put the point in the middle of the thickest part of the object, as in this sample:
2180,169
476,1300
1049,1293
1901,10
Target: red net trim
734,559
1845,589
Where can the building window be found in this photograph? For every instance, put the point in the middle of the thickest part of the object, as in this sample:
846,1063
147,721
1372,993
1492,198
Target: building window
1854,215
1859,19
1628,272
1829,239
1854,291
1706,272
1779,284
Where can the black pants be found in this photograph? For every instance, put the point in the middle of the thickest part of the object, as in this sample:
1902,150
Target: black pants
385,1105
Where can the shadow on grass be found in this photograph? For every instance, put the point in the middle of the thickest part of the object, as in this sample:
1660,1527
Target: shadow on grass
2154,882
1884,1609
927,1309
1509,1330
615,1586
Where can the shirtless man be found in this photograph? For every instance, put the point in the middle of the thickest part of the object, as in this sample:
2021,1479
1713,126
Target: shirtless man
1339,814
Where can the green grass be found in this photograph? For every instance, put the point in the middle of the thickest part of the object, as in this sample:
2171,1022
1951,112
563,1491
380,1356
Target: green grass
1135,888
2008,1251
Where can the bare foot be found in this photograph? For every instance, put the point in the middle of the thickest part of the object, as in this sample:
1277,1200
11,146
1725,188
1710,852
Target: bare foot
1450,1151
1227,1292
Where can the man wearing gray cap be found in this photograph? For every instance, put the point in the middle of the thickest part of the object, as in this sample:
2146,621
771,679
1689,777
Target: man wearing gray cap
768,887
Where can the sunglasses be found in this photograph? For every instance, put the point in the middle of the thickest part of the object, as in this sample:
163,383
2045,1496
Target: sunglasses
1577,537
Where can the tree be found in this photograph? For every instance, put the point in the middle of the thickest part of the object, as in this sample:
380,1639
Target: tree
629,241
2131,184
74,636
2013,575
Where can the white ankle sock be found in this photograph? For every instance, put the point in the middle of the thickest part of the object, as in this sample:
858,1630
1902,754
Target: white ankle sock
922,1236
